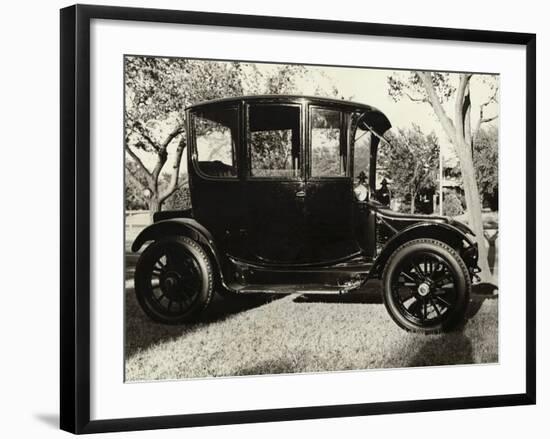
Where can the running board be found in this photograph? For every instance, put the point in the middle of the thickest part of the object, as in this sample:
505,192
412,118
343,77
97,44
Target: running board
333,277
299,289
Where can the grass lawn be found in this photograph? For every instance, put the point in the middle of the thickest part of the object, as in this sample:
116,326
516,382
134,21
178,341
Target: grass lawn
261,335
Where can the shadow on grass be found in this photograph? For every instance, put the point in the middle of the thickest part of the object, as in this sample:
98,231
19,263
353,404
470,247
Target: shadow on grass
269,367
221,307
480,293
371,293
448,349
453,348
142,332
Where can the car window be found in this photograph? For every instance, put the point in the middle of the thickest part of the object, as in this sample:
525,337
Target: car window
274,141
215,140
361,153
328,152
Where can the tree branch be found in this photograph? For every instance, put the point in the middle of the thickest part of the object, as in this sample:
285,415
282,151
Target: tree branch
433,100
138,128
460,105
162,152
492,98
174,178
177,131
488,119
414,99
138,161
162,157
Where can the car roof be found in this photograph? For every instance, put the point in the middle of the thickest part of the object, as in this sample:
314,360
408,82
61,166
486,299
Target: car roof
379,118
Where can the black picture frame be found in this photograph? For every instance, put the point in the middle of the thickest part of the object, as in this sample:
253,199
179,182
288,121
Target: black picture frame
75,217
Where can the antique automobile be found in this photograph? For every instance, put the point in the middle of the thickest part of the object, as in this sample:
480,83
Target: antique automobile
283,201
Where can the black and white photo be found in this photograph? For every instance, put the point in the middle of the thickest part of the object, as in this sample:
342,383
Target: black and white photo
285,218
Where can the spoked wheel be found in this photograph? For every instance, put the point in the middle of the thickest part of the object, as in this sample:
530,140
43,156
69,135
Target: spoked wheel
426,286
173,280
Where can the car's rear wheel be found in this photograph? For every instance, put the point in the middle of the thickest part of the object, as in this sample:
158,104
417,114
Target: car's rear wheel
426,286
174,280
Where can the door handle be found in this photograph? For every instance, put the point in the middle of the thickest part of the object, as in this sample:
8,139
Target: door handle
301,194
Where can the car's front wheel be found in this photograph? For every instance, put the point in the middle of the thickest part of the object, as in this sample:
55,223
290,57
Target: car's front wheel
426,286
174,280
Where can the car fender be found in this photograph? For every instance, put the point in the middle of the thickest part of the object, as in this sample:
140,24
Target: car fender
188,227
446,233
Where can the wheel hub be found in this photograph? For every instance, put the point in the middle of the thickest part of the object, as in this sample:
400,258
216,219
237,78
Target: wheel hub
171,284
423,289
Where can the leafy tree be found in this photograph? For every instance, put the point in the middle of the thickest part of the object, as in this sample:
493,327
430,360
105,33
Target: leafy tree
486,162
411,162
436,89
485,149
284,80
271,150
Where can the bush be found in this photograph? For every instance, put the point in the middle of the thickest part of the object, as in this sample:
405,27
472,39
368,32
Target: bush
452,206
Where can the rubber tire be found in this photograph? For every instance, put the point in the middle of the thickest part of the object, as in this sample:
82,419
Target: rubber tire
150,255
459,269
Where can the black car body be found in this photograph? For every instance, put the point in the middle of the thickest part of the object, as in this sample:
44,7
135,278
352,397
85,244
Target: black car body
282,191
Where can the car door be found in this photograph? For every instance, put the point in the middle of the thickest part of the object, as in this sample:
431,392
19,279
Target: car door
329,187
214,172
275,186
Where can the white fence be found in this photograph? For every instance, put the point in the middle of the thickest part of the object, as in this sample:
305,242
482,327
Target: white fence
135,221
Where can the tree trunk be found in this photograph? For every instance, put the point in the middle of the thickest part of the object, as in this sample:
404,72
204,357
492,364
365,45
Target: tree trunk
473,205
154,206
464,145
459,134
413,196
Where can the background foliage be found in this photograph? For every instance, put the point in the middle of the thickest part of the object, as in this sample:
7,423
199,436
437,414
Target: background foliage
411,161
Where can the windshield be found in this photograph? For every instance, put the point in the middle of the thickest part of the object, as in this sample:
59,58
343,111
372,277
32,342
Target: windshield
362,150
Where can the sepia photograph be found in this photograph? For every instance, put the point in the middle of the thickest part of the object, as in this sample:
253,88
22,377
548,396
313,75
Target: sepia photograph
297,218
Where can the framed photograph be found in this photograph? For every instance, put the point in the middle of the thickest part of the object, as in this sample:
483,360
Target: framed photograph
273,218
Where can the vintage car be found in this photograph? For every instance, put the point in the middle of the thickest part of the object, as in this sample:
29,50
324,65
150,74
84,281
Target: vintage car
282,191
